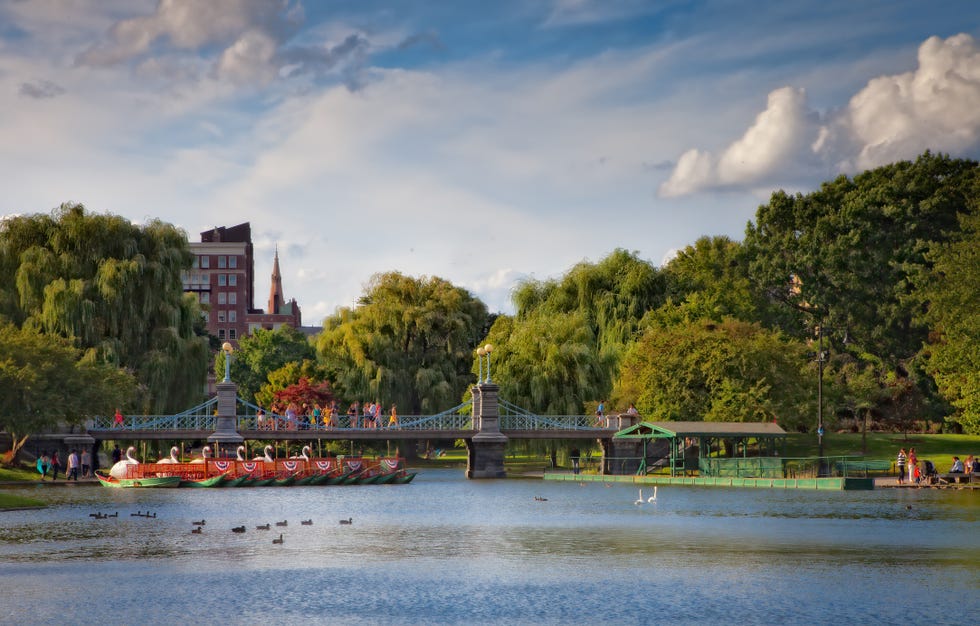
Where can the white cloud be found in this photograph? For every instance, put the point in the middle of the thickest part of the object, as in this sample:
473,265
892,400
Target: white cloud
936,107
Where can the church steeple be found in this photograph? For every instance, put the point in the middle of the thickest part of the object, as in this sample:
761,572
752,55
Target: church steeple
276,299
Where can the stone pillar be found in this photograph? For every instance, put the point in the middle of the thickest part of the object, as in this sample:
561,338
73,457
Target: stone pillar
485,452
225,435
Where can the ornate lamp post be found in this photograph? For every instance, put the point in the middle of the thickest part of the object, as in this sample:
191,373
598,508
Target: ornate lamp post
227,349
480,353
487,349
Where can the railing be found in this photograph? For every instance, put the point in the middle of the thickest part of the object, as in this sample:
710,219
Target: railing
458,418
792,467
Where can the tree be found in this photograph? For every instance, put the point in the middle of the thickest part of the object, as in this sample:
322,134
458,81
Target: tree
304,393
114,289
548,362
951,291
46,381
410,341
264,352
729,371
845,254
292,374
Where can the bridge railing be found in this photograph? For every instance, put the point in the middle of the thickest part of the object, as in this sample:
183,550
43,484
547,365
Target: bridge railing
548,422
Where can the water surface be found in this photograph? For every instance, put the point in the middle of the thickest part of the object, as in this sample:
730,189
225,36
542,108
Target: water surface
450,551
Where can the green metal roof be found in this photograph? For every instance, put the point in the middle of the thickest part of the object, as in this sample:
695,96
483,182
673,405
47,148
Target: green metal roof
667,430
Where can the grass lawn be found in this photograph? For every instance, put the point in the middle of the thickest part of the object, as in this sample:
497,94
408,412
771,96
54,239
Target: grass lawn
11,501
884,446
18,473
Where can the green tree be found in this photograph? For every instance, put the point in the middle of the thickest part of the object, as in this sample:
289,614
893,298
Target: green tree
262,353
410,341
845,254
115,290
729,371
45,381
951,291
548,363
289,375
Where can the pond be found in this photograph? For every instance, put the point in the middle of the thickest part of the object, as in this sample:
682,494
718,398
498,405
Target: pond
451,551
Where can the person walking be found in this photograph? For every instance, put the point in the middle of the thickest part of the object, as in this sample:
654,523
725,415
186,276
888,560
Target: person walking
44,465
55,465
913,464
900,463
393,418
73,463
86,463
575,455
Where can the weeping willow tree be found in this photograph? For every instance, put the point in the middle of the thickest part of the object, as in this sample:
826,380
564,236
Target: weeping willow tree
560,352
409,342
114,290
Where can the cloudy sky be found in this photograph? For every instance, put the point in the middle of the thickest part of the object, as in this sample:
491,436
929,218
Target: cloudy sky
483,142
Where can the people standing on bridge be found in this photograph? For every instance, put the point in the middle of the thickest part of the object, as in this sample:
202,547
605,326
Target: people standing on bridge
86,463
900,463
600,415
393,418
118,421
352,415
73,463
632,410
260,419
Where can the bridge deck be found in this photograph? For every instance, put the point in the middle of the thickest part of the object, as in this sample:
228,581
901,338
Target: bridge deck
351,434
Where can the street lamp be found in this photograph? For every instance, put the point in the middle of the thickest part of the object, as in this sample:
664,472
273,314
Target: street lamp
821,359
227,349
480,353
487,349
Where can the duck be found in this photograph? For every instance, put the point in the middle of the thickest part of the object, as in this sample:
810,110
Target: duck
266,527
238,529
201,523
348,521
196,531
279,540
119,470
282,523
540,499
307,522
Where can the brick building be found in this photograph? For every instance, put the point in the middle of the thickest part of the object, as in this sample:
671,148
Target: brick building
223,280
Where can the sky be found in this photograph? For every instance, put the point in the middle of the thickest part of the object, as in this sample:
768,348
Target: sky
485,143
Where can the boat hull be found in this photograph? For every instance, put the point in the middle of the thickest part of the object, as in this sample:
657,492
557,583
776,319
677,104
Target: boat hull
134,483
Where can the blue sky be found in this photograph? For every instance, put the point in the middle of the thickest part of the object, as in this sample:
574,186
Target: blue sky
480,142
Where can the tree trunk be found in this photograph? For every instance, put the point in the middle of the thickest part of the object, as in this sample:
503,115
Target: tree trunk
15,446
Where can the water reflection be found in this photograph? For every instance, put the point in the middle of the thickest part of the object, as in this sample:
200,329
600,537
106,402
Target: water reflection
448,550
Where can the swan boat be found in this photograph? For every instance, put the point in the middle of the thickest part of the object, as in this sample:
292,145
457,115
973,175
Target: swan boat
221,472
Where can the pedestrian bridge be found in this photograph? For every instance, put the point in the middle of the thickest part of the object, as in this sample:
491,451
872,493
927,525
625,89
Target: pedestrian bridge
455,423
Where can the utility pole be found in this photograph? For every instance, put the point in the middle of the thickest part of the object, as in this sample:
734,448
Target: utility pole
821,357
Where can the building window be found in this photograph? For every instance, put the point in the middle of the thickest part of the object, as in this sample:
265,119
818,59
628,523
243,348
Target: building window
205,261
232,316
222,297
222,262
221,316
221,333
232,334
232,280
222,280
205,297
232,261
232,298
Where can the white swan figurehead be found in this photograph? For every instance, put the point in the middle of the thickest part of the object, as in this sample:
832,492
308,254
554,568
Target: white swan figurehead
119,469
205,453
239,453
268,455
172,458
305,455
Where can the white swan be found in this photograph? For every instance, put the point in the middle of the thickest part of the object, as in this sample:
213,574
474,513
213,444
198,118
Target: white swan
305,455
239,453
640,501
172,458
119,469
205,453
267,457
653,498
